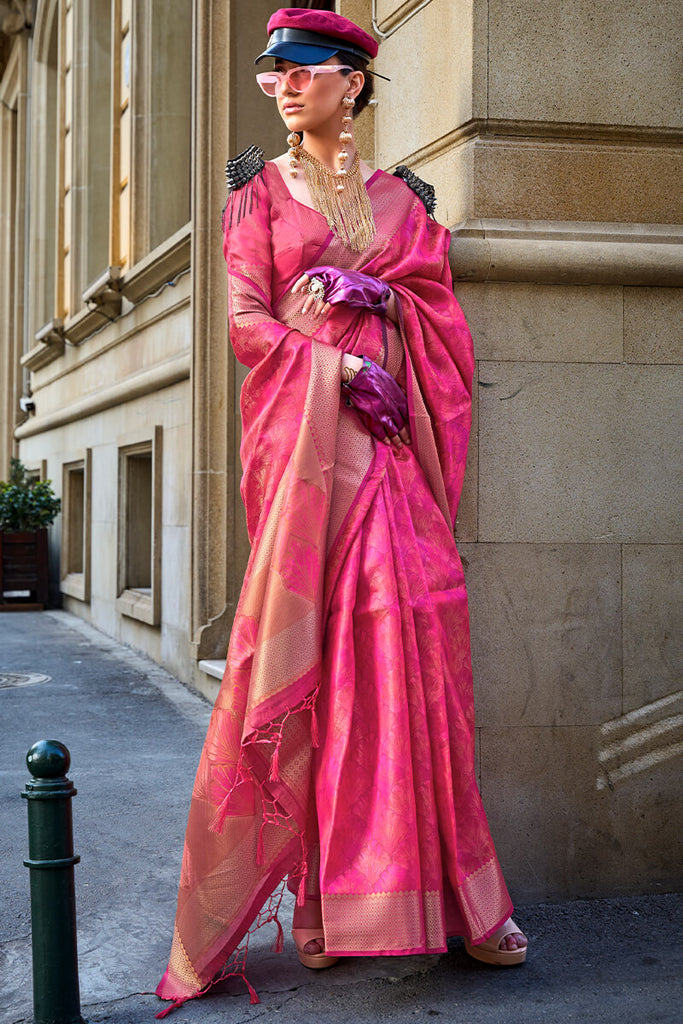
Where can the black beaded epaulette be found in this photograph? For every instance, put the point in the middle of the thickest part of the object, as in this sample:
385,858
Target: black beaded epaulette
242,175
244,167
422,189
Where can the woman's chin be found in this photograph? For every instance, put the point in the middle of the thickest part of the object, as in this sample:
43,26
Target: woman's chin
295,114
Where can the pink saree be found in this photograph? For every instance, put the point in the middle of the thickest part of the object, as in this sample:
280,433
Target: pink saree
340,749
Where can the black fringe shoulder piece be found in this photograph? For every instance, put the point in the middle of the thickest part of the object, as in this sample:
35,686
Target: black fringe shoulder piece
244,167
242,175
422,189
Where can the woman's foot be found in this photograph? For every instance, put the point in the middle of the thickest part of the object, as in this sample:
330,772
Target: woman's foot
308,935
306,939
314,946
505,948
515,940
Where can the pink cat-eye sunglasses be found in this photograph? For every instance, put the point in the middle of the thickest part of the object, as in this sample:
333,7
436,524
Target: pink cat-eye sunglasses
298,79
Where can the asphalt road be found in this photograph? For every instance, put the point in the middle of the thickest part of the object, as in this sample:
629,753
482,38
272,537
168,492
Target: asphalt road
135,734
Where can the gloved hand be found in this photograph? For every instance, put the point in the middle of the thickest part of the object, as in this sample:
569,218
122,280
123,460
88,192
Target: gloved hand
379,401
349,286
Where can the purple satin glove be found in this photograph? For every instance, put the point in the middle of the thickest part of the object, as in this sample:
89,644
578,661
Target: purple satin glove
379,401
350,286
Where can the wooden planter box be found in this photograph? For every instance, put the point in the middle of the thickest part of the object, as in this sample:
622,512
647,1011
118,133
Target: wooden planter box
23,566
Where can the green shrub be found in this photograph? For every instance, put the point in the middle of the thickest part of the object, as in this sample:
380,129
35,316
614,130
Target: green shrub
26,504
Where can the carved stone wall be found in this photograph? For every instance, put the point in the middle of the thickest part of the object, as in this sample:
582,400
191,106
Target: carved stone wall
552,133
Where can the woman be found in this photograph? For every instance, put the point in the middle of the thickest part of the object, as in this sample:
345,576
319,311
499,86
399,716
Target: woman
340,750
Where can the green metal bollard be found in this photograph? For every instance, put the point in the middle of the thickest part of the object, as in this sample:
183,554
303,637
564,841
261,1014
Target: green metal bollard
56,998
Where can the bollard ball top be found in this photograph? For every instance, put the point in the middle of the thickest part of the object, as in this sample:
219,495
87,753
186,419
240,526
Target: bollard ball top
48,759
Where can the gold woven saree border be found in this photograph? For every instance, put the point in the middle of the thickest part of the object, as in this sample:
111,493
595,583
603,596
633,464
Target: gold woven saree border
280,658
484,900
384,921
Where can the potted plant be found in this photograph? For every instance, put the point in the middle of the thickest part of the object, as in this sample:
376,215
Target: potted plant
27,508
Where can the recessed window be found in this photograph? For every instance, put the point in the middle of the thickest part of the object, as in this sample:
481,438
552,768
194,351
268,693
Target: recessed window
75,520
75,550
139,534
168,130
34,474
138,515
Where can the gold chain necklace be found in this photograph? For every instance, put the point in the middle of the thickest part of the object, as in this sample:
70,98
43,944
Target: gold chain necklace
349,211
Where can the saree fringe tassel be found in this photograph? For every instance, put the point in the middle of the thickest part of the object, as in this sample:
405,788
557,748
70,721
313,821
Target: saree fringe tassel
235,968
273,814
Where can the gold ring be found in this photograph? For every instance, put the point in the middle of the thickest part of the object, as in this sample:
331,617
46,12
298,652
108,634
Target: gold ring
317,289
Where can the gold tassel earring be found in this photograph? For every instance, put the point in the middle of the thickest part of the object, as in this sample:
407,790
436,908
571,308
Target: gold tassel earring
341,195
293,141
345,136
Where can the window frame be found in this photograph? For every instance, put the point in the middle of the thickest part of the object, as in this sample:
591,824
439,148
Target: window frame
76,583
134,602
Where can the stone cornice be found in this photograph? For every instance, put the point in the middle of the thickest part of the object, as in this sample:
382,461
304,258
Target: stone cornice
122,331
50,346
549,252
102,303
159,267
569,133
135,386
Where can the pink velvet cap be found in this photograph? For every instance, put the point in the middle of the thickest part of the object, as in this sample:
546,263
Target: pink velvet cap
311,37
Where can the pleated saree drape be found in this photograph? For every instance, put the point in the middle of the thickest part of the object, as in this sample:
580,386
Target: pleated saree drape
340,749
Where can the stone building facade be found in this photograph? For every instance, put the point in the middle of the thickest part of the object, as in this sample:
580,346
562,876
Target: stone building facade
552,133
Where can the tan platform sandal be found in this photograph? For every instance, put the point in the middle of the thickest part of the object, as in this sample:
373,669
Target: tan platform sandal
490,953
316,961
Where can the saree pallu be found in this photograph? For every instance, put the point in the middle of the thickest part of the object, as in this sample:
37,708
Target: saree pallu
340,748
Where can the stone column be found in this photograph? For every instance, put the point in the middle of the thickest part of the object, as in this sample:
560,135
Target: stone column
229,114
568,261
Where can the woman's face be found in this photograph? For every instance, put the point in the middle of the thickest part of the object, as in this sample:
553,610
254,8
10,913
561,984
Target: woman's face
319,107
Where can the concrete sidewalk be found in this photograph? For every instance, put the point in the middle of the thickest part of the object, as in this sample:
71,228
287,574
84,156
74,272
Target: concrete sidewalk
135,735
